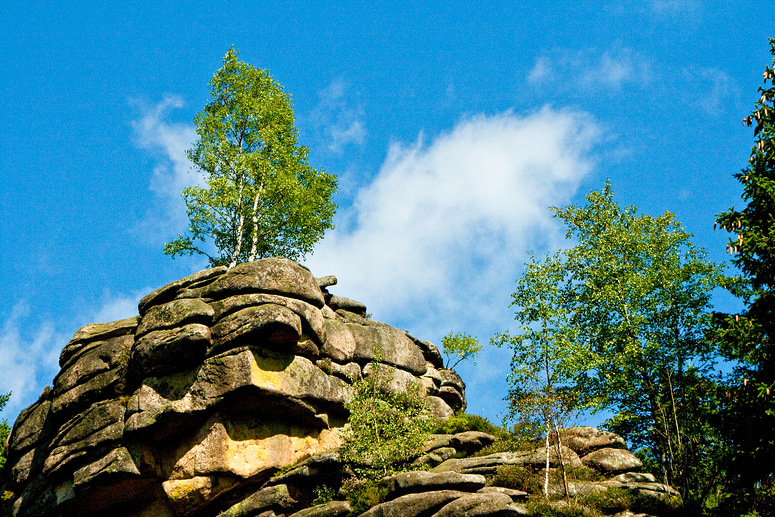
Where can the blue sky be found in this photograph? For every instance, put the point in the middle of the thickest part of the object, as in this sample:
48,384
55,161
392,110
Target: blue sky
452,126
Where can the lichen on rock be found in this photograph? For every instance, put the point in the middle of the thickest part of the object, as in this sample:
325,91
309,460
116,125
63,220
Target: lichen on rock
226,377
228,397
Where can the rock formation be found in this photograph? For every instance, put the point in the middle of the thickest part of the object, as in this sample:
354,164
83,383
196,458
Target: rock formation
225,397
225,377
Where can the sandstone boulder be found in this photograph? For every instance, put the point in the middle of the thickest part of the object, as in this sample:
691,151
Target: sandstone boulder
171,290
174,314
330,509
421,481
166,351
612,460
583,439
413,505
273,276
226,397
92,335
383,343
476,505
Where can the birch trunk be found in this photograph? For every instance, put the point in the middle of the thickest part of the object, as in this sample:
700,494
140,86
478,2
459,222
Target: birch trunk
254,219
240,225
546,477
562,463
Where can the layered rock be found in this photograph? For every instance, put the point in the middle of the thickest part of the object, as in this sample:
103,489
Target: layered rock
461,483
189,409
226,396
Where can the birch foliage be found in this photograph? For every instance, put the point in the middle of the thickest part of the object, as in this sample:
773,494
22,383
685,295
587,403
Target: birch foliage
619,322
260,198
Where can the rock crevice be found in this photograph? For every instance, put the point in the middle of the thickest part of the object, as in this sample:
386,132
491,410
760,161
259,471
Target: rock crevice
224,378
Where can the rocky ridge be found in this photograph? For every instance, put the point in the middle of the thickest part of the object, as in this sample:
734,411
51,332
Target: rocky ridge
225,397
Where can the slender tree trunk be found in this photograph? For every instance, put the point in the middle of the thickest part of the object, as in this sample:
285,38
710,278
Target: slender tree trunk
546,476
240,225
562,463
547,414
658,414
254,220
681,453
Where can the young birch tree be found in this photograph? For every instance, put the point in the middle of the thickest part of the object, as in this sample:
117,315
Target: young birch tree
261,197
628,321
540,394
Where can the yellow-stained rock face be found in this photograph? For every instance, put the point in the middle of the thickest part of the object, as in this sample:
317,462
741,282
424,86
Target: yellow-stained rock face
186,496
246,447
224,378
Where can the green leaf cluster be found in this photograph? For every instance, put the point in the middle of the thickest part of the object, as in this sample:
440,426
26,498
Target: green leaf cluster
5,430
387,429
459,347
619,322
260,198
462,422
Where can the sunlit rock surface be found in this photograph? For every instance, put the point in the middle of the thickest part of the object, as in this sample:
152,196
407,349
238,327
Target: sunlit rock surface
190,408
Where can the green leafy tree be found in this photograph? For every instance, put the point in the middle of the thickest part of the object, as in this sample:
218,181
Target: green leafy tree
5,430
749,338
459,347
387,428
621,320
261,196
540,393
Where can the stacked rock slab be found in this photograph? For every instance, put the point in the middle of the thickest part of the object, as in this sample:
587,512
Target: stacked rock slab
458,484
190,408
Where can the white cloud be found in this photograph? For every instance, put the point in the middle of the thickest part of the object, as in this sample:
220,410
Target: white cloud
168,142
29,357
30,347
591,70
339,119
117,307
709,89
439,236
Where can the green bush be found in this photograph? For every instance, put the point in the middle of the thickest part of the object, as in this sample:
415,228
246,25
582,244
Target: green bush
462,422
542,508
615,500
575,474
387,429
508,444
363,494
5,430
516,477
323,494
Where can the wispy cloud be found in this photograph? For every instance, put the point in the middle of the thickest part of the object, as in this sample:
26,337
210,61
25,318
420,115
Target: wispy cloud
114,307
591,70
710,89
339,118
167,142
436,241
30,347
445,224
29,355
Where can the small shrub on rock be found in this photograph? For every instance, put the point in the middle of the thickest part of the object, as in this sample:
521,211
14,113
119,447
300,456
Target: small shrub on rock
616,500
387,429
462,422
362,494
516,477
510,443
576,474
323,494
543,508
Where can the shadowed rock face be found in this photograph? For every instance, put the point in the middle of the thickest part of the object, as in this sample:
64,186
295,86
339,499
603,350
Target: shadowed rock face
188,409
